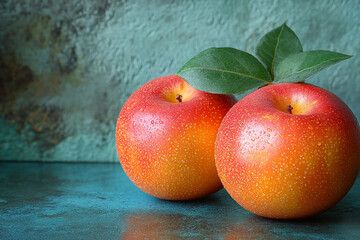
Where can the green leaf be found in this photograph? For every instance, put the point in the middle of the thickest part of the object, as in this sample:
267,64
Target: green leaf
298,67
224,71
277,45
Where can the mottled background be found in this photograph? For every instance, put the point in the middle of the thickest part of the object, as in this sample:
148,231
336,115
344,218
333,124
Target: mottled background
66,68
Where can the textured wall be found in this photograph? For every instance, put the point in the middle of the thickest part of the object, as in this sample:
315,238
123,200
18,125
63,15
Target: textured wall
66,69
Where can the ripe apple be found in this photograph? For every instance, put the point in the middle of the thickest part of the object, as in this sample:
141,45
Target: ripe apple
288,150
165,138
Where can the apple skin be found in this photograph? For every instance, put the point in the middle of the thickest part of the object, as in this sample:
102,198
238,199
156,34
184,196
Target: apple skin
281,165
166,147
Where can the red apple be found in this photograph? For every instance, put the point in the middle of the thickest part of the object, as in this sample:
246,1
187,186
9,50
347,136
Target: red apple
288,150
165,138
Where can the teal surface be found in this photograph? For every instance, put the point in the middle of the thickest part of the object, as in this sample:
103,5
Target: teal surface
67,67
98,201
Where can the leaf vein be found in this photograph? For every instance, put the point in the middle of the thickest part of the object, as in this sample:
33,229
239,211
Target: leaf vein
314,66
276,46
240,63
225,71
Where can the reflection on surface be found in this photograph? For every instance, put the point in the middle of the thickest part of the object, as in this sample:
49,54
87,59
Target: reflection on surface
249,228
157,225
341,220
152,226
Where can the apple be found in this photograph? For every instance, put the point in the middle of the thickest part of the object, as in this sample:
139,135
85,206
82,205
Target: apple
288,150
165,138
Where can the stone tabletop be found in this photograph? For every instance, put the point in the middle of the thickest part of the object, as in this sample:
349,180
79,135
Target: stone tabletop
98,201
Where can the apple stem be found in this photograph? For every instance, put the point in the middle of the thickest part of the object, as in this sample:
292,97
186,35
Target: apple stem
179,98
289,108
